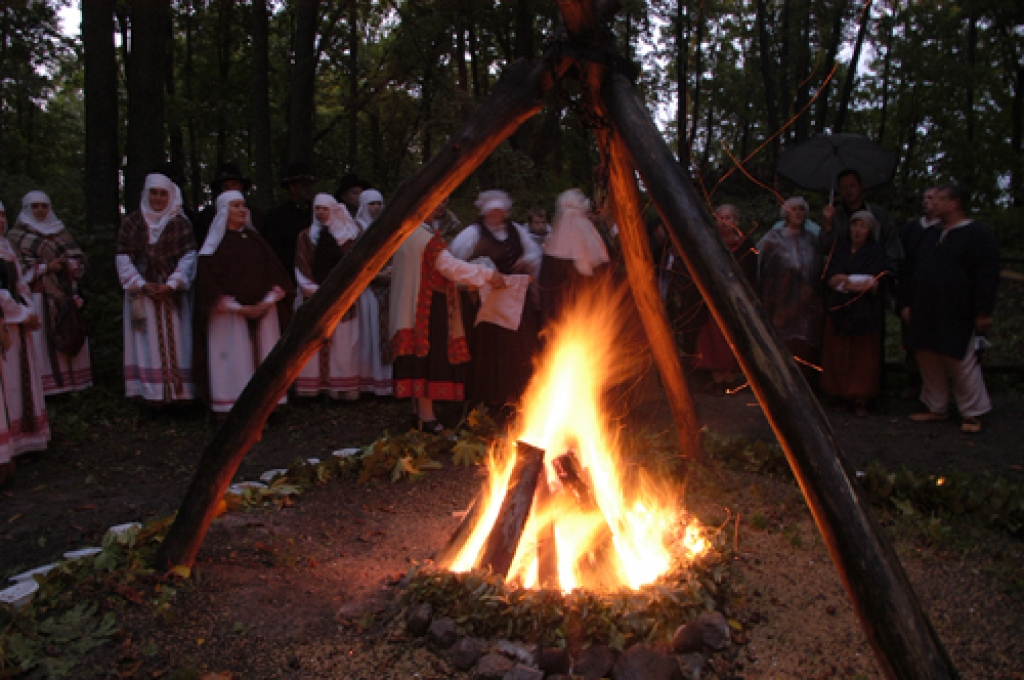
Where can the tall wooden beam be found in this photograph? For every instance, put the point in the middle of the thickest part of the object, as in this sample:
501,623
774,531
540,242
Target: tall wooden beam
517,96
640,271
897,627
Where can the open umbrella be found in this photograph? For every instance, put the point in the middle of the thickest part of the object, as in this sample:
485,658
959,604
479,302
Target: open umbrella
815,164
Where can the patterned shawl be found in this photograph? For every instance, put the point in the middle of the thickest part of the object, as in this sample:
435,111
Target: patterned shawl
155,261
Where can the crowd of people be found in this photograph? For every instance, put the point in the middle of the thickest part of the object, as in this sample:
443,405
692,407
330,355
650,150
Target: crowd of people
458,313
826,289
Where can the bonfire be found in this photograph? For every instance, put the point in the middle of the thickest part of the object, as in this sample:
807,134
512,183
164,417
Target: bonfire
562,508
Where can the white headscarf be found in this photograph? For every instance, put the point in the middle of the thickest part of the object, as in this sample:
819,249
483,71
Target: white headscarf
493,199
367,197
220,222
157,220
340,223
793,203
573,236
50,226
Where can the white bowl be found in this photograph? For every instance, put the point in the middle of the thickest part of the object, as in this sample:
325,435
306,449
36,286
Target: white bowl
271,475
345,453
860,279
20,594
84,552
32,573
240,487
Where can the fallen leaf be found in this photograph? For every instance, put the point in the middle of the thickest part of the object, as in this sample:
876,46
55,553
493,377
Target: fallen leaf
20,514
87,506
182,571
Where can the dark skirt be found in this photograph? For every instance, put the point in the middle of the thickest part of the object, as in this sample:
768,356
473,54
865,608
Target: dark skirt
713,351
503,360
851,364
432,376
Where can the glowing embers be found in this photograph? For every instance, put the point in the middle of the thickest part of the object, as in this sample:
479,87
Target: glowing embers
561,509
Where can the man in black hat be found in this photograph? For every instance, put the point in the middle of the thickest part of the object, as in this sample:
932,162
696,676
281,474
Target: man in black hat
349,188
285,222
228,178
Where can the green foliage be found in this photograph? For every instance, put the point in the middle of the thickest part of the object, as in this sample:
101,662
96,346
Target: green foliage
483,605
70,616
991,501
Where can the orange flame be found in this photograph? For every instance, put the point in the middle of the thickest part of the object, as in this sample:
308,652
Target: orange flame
612,525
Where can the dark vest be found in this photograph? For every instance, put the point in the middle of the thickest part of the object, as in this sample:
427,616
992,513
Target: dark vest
504,254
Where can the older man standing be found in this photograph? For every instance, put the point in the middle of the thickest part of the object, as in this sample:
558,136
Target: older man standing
952,292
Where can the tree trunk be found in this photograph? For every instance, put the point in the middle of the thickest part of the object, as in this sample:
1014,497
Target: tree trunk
830,59
102,162
225,8
519,95
460,56
303,82
886,74
851,73
195,173
972,57
1017,138
175,136
263,148
767,76
682,39
803,88
524,30
698,76
146,69
785,68
897,628
353,85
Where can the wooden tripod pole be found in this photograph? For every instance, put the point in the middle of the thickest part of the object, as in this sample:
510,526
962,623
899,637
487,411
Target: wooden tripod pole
517,96
640,271
897,627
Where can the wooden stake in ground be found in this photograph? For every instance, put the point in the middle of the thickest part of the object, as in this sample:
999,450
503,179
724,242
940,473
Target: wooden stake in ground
517,96
897,628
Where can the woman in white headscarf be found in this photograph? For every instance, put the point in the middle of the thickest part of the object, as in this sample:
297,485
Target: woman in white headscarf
574,255
156,263
503,343
23,422
52,264
372,311
243,300
334,370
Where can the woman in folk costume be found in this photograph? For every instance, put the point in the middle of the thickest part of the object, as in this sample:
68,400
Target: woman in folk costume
243,300
25,424
156,263
790,272
429,342
334,370
574,255
372,311
713,351
505,338
851,356
52,264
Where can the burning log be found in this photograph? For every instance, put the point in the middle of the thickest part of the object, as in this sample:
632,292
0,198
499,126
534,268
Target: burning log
503,541
547,547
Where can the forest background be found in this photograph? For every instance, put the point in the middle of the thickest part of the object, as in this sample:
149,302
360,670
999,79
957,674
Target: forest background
377,87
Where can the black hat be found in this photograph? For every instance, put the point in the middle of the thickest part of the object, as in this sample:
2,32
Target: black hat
226,171
297,172
348,181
